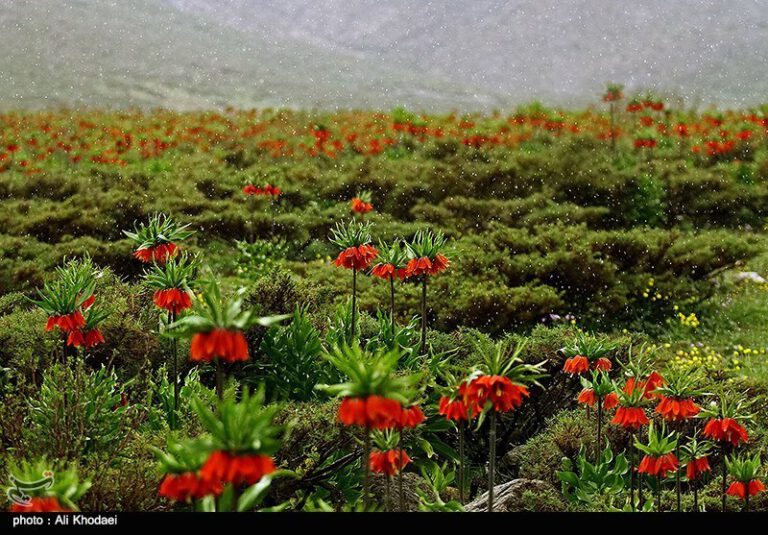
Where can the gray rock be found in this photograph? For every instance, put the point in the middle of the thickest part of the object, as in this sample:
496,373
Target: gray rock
519,495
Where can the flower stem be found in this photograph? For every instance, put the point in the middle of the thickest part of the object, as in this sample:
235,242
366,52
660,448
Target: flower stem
219,380
174,371
632,459
354,304
725,473
424,312
677,473
746,498
400,491
492,458
613,134
599,428
387,500
461,462
366,468
658,494
695,499
392,302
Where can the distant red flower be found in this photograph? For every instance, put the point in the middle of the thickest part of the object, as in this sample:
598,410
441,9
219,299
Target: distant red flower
387,271
726,430
425,266
236,469
455,410
186,486
359,206
658,466
503,394
739,489
603,364
266,191
696,467
358,257
157,253
411,417
73,321
372,412
40,505
172,299
389,462
645,143
576,365
229,346
630,417
676,410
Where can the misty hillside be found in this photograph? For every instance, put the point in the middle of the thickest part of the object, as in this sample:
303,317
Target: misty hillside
432,55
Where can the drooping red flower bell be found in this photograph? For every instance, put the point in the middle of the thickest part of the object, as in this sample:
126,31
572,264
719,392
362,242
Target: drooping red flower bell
224,344
696,467
676,410
358,257
576,365
188,485
389,462
174,300
371,412
726,430
237,469
659,466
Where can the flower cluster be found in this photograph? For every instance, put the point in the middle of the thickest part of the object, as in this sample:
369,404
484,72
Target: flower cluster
262,191
157,240
69,301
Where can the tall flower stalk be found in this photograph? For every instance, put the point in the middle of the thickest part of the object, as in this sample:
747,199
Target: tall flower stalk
696,455
676,406
410,418
453,406
231,463
372,397
357,253
640,382
66,298
725,426
659,460
390,264
217,328
426,259
745,472
171,282
599,391
499,385
613,94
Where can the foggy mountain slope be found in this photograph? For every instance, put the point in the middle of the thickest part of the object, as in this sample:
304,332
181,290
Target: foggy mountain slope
147,53
560,51
372,53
